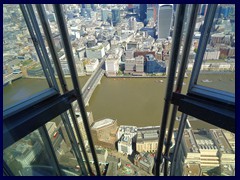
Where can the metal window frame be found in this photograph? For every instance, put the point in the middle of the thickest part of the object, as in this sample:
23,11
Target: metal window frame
182,69
29,102
194,88
177,36
49,148
37,45
42,45
208,104
201,102
32,113
52,48
18,125
61,22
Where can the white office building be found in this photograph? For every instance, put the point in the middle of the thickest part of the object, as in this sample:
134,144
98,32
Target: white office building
95,52
130,131
91,65
132,24
125,145
165,16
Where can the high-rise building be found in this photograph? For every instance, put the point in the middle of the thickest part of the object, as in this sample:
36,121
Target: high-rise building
203,9
150,13
143,12
115,16
105,14
165,14
154,13
139,64
125,145
223,11
132,23
93,7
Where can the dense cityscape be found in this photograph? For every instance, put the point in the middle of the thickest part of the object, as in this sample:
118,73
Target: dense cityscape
120,41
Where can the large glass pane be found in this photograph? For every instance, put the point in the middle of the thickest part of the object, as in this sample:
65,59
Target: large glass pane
84,66
218,67
206,152
62,145
22,72
29,157
125,107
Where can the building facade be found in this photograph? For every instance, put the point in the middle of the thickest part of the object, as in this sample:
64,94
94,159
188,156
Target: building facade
211,54
95,52
125,145
165,16
144,161
150,13
132,23
91,65
112,67
104,133
130,131
115,16
154,66
147,139
226,152
139,64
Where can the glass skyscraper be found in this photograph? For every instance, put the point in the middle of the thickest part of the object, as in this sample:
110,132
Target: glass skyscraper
115,16
154,66
165,15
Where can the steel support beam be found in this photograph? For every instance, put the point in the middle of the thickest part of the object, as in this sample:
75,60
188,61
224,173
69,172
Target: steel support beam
36,44
177,144
42,45
213,112
207,26
24,122
171,75
73,140
69,55
181,73
52,48
49,149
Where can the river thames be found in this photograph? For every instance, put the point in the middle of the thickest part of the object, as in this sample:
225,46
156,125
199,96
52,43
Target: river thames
132,101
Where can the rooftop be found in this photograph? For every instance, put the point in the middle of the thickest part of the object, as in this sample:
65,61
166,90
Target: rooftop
227,170
128,129
148,133
190,141
102,123
192,170
204,140
221,141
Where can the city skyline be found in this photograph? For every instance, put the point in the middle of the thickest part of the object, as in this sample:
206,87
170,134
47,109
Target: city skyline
122,56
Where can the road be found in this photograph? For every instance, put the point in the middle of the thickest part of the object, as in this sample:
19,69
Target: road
92,80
